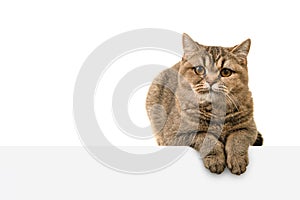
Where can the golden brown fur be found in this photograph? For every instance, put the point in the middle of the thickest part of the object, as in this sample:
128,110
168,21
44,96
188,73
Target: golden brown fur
195,103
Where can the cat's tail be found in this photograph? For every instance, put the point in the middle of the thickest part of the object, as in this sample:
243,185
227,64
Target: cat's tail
259,140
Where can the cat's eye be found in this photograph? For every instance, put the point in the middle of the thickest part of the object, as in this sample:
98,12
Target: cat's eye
226,72
200,70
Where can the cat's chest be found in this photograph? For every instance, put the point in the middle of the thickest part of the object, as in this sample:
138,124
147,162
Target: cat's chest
204,121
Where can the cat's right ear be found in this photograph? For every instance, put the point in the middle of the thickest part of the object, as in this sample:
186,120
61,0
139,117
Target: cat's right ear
189,45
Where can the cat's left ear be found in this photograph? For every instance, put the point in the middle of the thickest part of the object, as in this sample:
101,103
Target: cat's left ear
189,45
242,50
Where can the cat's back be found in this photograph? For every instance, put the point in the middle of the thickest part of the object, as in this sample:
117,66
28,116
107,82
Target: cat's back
161,92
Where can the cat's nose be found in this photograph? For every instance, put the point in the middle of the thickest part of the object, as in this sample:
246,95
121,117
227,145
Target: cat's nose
211,82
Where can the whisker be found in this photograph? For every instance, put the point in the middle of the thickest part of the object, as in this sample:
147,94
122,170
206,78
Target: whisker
199,85
232,101
235,99
199,88
222,86
229,96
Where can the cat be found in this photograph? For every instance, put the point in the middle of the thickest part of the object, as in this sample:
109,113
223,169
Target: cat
204,102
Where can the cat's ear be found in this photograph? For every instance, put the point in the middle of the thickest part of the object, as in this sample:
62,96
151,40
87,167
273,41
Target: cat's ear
189,45
242,50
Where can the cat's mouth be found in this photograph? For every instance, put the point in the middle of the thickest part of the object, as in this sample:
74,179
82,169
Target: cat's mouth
209,91
214,89
210,95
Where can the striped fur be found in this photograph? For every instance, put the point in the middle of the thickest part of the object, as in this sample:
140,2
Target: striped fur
209,112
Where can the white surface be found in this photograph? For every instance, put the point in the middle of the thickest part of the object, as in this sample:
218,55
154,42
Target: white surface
36,173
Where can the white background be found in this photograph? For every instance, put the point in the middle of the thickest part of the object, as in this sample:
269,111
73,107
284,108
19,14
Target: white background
43,45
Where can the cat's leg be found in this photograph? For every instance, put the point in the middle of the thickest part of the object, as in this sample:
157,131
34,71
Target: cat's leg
236,148
211,151
259,140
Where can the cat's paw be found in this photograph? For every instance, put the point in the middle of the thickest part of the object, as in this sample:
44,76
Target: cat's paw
215,163
237,164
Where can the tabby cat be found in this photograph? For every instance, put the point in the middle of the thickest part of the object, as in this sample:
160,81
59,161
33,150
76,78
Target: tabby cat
204,102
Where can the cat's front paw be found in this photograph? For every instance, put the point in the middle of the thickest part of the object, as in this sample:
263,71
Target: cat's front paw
237,164
215,163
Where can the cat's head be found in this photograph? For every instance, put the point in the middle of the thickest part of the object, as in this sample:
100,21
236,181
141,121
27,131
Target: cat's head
212,70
